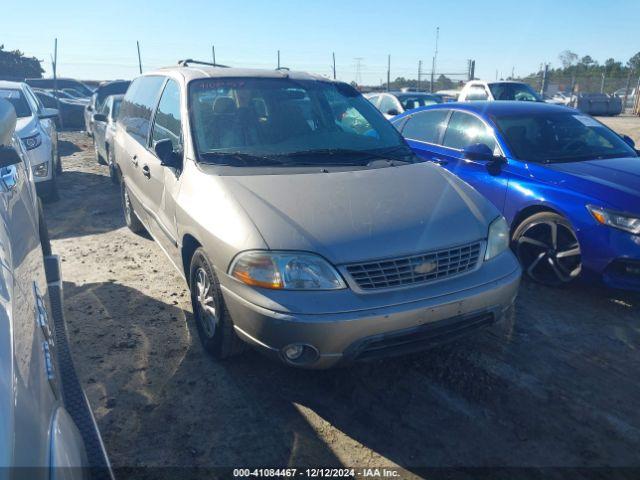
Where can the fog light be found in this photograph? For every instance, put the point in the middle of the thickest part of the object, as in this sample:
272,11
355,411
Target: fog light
41,170
293,352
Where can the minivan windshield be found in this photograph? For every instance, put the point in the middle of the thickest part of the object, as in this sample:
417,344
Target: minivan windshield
273,121
560,137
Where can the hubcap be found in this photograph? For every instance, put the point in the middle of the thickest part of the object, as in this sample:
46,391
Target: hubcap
204,300
549,252
127,205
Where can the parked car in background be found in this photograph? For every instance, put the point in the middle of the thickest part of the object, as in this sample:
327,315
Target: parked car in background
98,98
104,126
631,96
47,429
559,98
478,90
596,104
71,112
37,130
395,103
314,241
568,185
60,84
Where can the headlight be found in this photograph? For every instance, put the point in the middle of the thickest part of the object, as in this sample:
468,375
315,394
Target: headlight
40,170
622,221
498,239
285,271
33,141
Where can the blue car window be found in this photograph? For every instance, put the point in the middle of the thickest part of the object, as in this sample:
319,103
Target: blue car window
426,126
464,130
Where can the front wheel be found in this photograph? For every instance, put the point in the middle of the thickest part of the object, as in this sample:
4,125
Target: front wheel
214,323
99,158
130,217
548,249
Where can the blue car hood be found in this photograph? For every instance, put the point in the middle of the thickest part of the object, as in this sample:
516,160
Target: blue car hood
614,180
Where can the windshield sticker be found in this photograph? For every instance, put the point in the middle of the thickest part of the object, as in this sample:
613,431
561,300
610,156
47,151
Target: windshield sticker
587,121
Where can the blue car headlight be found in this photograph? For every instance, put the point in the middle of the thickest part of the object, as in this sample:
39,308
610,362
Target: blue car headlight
32,141
622,221
498,238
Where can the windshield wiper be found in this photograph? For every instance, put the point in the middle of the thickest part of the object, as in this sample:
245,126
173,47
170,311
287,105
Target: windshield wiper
242,159
366,156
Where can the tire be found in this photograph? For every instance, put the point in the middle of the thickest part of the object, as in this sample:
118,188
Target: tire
99,158
548,249
130,216
43,231
213,321
48,191
113,172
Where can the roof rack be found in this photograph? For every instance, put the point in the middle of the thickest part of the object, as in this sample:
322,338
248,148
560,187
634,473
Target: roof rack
283,68
185,63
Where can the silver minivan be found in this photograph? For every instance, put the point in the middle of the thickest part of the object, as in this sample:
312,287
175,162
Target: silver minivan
301,220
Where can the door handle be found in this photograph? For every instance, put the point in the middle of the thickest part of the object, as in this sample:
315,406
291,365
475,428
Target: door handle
134,160
440,161
146,171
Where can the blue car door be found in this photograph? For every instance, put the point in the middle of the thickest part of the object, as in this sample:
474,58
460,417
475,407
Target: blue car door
490,179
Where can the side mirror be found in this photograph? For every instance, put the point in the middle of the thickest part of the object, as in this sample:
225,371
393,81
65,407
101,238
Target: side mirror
8,156
478,151
49,113
393,112
167,155
89,108
629,141
99,117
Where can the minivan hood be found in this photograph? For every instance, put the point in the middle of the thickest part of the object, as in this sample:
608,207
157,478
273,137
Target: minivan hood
363,214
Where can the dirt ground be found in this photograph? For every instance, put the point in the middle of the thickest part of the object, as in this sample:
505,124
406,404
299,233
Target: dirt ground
557,386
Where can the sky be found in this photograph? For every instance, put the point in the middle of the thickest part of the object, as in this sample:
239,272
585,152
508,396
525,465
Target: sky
97,39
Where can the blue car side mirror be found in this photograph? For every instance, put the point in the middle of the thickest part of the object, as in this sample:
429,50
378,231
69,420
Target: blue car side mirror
629,141
478,151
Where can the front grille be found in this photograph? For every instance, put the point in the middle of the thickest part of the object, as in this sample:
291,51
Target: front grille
427,267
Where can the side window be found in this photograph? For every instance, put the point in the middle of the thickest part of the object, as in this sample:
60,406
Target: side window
167,123
464,130
374,99
138,105
106,108
426,126
477,93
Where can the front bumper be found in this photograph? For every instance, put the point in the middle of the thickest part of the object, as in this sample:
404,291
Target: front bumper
380,331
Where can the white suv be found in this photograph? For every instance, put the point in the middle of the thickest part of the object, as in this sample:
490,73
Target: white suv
478,90
37,130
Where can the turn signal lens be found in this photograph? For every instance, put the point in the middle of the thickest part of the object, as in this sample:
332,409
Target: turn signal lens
622,221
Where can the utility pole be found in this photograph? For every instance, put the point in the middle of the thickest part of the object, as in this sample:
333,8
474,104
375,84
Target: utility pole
54,65
472,69
278,59
545,79
388,73
213,53
139,57
602,83
358,70
333,54
435,59
419,74
626,90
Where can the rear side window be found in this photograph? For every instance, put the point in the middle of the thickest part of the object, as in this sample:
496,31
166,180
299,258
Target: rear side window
167,123
426,126
464,130
137,107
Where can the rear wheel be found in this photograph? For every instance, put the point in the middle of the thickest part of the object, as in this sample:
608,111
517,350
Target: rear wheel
113,172
130,217
99,158
213,321
548,249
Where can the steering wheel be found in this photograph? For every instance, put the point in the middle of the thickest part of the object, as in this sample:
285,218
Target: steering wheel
574,145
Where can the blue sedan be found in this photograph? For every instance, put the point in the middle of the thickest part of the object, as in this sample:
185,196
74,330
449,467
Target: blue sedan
568,185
